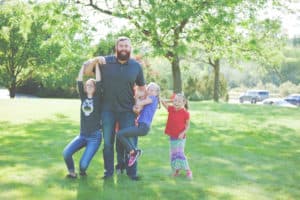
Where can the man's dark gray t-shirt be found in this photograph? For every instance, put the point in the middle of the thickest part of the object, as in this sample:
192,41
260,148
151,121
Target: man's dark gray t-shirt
118,83
90,119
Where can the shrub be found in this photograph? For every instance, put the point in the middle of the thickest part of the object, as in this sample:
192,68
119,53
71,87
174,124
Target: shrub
203,89
34,87
287,88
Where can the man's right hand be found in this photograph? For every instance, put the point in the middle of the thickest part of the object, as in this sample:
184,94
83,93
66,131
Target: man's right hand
90,65
101,60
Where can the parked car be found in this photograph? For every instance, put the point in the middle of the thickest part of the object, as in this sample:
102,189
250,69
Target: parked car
293,99
254,96
278,102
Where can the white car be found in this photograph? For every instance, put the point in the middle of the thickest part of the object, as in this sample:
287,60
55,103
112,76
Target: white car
278,102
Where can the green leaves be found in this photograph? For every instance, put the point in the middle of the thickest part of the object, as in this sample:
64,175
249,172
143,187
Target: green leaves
227,29
41,39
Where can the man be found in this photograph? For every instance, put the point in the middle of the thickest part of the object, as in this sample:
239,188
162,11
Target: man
120,73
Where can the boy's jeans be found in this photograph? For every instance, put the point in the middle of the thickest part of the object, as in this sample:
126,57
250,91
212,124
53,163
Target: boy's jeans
92,144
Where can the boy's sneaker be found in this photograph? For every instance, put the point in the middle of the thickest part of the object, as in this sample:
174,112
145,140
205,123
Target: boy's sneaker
71,176
189,174
134,156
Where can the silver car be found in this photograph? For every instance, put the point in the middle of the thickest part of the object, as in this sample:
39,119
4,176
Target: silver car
278,102
254,96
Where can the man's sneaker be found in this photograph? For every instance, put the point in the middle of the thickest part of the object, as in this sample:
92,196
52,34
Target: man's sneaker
135,178
134,156
83,174
120,169
107,177
189,174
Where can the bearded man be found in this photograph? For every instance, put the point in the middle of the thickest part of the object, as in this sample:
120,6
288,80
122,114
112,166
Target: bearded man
120,74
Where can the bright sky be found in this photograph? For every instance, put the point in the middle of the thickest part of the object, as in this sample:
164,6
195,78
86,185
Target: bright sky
290,22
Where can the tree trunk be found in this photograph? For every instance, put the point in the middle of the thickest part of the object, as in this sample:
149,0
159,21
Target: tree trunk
177,84
12,90
216,79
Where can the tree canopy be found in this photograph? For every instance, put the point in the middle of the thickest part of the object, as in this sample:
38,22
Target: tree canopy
221,28
46,39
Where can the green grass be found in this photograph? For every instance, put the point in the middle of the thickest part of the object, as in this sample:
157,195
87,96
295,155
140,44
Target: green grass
235,151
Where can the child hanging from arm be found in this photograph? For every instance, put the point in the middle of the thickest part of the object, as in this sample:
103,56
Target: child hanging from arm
90,136
149,106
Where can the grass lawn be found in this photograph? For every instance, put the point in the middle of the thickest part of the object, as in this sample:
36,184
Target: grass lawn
235,151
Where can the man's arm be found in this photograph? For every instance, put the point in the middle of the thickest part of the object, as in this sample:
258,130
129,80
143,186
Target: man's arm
142,90
90,65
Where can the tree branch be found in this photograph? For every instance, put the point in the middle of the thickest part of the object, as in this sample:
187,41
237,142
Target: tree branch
210,62
117,14
93,5
121,3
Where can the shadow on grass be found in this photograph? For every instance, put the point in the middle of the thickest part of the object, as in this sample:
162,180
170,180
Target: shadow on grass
226,160
32,167
258,158
31,155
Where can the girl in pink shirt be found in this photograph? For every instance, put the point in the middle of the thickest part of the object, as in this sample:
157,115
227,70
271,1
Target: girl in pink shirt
177,126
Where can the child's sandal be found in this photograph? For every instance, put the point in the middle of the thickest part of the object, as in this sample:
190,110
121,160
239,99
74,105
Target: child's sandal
176,173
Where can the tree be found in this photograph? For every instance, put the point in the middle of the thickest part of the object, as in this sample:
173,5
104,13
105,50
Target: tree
233,33
168,25
161,23
36,39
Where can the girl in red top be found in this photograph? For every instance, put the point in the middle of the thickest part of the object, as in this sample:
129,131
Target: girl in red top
176,128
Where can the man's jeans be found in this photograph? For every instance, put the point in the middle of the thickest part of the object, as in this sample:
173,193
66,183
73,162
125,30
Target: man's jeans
92,144
109,119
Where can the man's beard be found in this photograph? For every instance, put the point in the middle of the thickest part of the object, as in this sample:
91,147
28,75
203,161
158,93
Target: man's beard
123,57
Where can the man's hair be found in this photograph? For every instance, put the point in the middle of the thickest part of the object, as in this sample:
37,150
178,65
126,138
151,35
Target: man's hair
122,38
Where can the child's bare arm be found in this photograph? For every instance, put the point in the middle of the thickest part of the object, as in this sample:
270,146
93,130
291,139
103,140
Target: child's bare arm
143,102
80,74
164,103
98,72
187,126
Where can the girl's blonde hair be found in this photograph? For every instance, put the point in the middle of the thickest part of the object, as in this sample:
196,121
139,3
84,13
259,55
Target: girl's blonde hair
156,86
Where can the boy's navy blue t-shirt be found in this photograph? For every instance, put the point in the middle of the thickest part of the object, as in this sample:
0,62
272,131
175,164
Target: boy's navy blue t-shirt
90,119
118,81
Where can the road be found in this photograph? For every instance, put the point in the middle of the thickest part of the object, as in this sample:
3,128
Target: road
4,94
